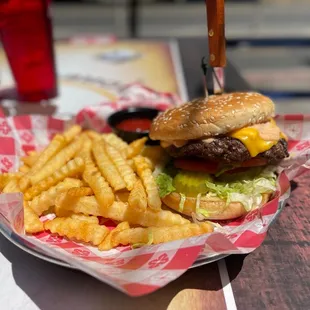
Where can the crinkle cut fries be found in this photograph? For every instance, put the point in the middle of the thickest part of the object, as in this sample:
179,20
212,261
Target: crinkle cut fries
82,176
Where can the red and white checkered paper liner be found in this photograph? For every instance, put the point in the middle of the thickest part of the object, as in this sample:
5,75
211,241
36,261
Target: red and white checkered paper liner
144,270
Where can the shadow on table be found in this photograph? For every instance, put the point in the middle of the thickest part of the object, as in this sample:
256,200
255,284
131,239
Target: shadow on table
53,287
234,265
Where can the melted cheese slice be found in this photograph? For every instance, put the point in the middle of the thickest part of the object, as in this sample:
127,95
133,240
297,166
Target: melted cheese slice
259,138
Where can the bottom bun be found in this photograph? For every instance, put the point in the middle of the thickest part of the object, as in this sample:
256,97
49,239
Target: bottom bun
216,208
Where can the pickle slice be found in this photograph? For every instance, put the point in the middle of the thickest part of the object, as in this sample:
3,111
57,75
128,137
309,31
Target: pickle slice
191,183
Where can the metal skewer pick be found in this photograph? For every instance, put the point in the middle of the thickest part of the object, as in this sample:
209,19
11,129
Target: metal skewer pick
204,67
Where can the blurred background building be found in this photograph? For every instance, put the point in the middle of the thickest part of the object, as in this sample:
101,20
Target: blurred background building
158,18
268,40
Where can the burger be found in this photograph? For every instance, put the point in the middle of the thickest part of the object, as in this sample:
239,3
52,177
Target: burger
224,151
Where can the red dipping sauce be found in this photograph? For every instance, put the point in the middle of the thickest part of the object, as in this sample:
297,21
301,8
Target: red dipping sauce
135,124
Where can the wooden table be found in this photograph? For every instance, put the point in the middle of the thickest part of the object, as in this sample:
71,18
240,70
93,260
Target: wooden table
275,276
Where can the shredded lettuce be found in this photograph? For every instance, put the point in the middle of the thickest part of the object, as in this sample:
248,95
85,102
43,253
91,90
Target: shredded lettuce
165,184
198,198
247,192
182,202
203,212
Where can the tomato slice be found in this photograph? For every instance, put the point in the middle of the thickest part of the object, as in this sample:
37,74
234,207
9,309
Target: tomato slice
254,162
196,165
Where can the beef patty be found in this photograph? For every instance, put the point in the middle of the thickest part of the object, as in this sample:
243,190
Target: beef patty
227,150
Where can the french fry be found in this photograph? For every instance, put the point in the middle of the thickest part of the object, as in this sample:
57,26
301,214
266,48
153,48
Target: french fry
12,186
93,135
96,181
31,158
66,205
137,197
145,173
32,222
84,184
72,132
24,169
48,211
122,196
5,178
57,161
84,177
121,212
24,182
135,148
47,198
107,243
155,154
100,187
156,235
149,163
72,168
57,143
33,153
87,146
80,191
106,167
86,218
86,154
121,165
142,163
77,229
116,142
118,211
131,164
62,203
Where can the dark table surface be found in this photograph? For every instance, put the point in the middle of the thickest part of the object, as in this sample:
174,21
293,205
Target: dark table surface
277,274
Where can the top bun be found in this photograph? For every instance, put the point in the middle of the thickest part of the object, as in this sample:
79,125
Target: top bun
219,114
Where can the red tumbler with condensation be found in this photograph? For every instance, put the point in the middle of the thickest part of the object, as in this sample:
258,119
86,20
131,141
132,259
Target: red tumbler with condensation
26,35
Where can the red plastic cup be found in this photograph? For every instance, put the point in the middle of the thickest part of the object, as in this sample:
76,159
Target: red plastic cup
26,35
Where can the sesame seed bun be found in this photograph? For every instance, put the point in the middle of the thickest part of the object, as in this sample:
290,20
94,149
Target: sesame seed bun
203,118
216,207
